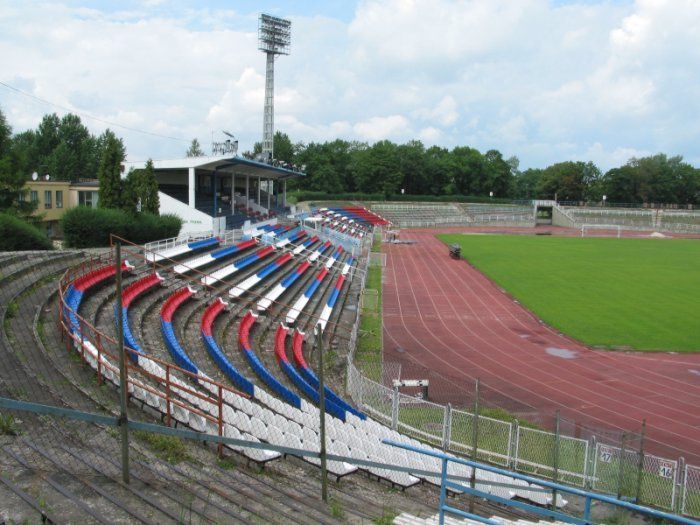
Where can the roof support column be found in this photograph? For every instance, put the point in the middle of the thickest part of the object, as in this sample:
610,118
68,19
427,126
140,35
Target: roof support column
284,196
190,187
233,192
247,191
259,192
269,184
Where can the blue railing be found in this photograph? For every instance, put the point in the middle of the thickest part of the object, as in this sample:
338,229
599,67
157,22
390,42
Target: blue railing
588,496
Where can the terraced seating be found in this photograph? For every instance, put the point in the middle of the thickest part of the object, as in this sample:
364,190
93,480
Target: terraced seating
319,251
305,245
360,214
129,294
216,255
254,279
333,258
408,519
330,304
310,377
260,370
303,299
241,263
166,321
295,237
210,315
282,287
332,407
181,249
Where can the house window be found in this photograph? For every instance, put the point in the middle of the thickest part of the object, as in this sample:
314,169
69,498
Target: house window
87,198
34,196
59,198
47,199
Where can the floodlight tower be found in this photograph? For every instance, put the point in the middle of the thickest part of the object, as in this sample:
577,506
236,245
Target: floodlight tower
274,38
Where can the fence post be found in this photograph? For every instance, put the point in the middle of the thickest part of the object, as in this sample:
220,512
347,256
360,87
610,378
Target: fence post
395,408
621,472
513,452
124,388
593,444
322,414
682,476
447,427
640,464
555,475
475,440
220,422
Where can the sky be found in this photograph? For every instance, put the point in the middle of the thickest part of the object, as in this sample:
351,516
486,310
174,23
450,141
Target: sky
543,80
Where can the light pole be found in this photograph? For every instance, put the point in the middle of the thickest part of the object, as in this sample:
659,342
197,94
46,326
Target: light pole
604,198
490,195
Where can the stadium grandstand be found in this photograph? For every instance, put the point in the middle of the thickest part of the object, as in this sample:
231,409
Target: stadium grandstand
220,192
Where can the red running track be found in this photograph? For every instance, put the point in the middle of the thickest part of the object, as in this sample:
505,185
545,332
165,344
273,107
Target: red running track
443,315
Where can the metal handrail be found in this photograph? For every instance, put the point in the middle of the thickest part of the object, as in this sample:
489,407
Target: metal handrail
589,496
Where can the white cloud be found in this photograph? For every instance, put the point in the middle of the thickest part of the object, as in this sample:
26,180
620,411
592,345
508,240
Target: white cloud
532,78
379,128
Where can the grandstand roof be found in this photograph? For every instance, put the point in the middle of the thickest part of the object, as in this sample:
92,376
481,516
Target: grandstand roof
239,165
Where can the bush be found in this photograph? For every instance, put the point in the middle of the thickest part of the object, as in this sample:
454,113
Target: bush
85,227
16,234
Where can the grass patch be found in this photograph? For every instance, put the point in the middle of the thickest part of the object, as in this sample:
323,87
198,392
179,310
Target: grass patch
387,517
614,293
169,448
336,509
8,425
368,355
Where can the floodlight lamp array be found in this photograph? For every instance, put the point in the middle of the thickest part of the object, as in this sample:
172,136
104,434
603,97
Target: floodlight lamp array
274,35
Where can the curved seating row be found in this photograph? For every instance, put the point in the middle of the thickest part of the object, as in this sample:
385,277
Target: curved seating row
260,370
312,393
129,294
361,214
171,304
254,279
282,286
303,299
333,258
320,250
197,411
182,249
305,245
310,377
291,236
241,263
214,256
330,303
238,379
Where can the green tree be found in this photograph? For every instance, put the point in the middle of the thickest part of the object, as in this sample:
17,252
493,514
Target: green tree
12,179
568,181
195,150
73,158
109,172
526,183
497,175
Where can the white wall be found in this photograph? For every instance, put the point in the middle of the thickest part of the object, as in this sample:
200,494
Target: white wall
192,220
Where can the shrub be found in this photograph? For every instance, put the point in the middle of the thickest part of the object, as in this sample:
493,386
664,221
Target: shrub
16,234
85,227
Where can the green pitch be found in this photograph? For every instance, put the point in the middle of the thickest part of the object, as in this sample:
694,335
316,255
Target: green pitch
642,294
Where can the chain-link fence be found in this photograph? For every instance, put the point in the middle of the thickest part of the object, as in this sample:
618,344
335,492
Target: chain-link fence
628,473
690,504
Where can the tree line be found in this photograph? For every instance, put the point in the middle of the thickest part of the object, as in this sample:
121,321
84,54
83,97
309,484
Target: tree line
341,166
66,150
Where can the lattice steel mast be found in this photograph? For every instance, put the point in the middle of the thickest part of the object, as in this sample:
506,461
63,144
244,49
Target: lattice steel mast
274,38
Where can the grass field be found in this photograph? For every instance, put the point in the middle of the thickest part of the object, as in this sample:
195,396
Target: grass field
617,293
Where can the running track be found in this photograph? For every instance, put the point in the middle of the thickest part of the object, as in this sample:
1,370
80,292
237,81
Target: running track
444,316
